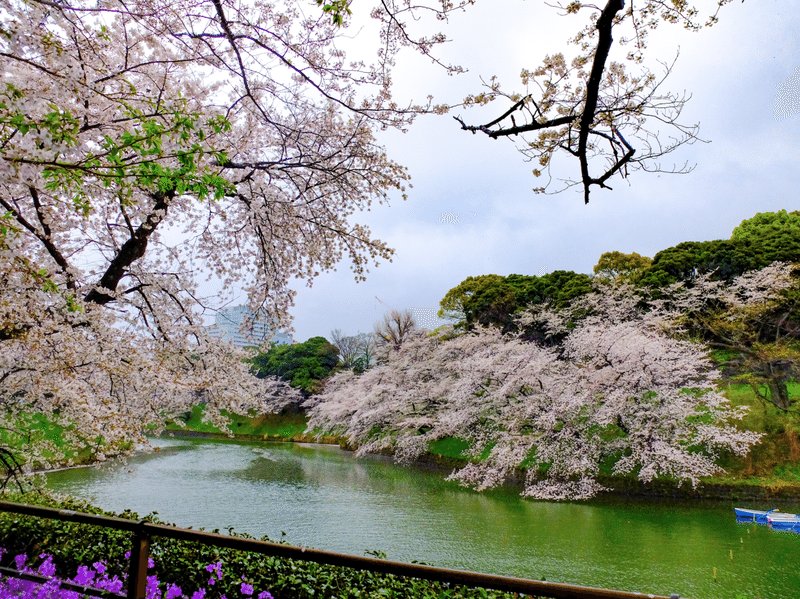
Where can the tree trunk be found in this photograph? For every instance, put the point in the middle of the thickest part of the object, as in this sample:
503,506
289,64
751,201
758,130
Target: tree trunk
779,394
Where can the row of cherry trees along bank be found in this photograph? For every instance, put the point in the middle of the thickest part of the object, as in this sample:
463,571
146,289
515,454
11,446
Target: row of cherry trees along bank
616,384
757,346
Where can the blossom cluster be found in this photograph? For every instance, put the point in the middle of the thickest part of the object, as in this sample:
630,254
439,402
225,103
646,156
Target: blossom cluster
98,577
146,148
615,384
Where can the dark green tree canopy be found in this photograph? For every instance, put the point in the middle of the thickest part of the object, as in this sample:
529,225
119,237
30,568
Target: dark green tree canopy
302,365
756,243
492,300
558,287
686,260
453,303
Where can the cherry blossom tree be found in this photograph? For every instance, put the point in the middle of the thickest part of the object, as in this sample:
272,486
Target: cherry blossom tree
612,117
753,319
97,377
619,389
147,144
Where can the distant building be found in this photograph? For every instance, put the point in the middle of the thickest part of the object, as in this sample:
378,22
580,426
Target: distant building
228,326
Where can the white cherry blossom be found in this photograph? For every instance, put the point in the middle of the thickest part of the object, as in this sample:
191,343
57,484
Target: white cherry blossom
618,388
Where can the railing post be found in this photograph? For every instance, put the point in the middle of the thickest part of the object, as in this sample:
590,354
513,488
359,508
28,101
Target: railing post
140,554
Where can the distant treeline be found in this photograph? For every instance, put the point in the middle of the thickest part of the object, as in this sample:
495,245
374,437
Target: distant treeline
757,242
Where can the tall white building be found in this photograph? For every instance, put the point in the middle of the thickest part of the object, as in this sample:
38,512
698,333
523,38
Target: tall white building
228,325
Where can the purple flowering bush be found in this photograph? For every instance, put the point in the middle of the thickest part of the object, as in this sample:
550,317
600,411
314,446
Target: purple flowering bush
98,577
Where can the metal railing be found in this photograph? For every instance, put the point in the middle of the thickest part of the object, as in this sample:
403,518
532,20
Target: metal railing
143,531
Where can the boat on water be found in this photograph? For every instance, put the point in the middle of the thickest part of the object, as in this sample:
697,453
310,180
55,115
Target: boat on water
777,520
784,522
759,516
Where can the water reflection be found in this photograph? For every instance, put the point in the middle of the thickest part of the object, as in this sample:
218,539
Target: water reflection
322,497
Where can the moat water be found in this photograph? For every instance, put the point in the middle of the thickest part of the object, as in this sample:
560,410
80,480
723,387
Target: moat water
323,497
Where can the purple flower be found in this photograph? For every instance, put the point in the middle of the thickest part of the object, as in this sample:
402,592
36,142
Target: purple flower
114,585
85,576
47,568
49,589
20,561
151,590
98,577
214,568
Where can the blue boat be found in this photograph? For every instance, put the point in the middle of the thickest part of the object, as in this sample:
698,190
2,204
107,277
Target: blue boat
758,516
784,522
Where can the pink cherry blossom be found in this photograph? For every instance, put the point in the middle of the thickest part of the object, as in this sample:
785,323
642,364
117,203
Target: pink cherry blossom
621,386
148,147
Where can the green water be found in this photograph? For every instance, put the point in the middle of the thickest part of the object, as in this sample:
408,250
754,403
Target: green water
323,497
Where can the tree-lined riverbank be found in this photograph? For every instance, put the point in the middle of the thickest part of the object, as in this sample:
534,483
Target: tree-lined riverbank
780,483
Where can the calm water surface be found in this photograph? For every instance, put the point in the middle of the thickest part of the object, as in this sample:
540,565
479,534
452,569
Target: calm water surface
323,497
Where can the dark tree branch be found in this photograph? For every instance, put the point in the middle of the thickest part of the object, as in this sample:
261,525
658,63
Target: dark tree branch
585,122
44,236
12,469
516,130
604,25
619,163
133,249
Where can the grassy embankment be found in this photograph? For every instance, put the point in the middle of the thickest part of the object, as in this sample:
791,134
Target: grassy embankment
260,427
771,469
775,461
38,431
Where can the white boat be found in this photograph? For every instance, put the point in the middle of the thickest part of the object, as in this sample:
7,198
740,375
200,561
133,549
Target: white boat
782,516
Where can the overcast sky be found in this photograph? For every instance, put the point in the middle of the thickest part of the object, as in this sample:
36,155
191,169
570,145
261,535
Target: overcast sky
735,71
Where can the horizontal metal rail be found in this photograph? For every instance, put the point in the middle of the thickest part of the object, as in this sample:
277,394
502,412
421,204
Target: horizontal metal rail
143,531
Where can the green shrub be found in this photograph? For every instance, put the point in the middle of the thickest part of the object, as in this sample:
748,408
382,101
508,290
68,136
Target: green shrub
184,563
